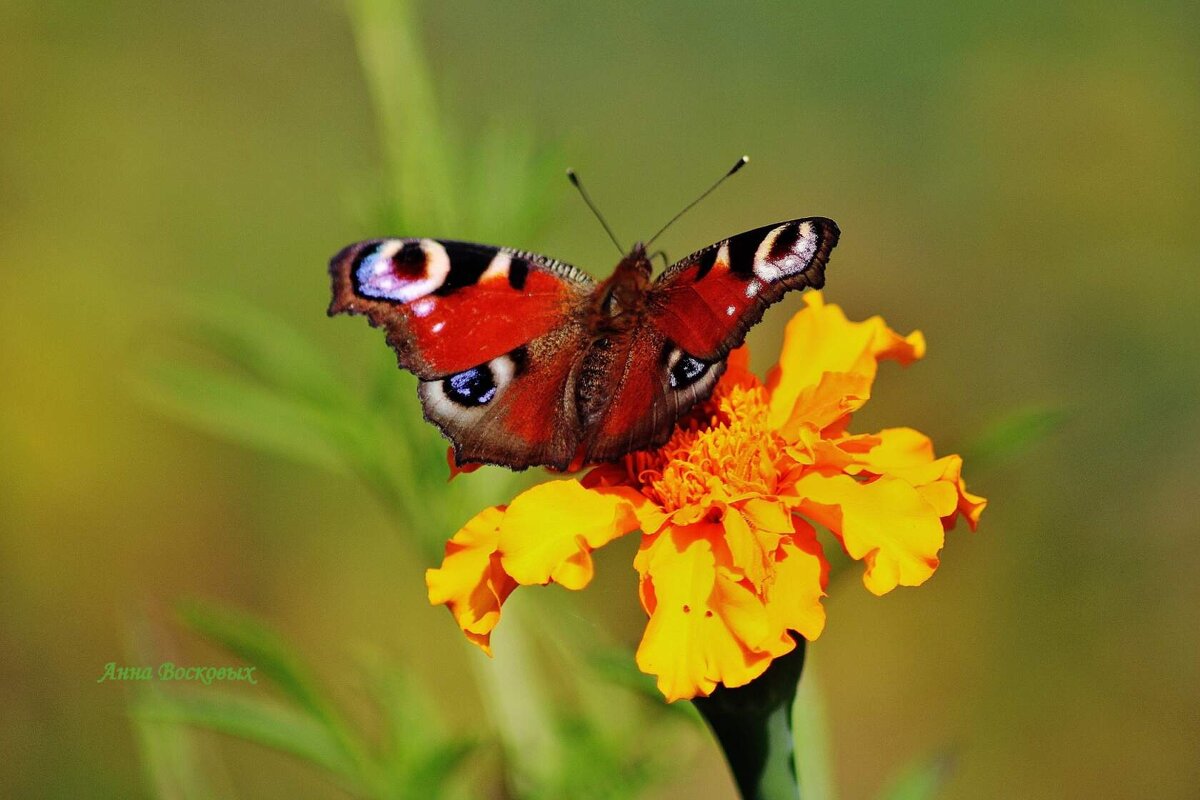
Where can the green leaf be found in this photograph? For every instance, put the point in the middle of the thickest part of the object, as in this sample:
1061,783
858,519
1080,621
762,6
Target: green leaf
416,146
242,411
261,344
921,780
618,667
1010,437
813,749
258,646
254,719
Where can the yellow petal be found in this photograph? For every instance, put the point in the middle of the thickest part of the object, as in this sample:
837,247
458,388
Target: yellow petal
885,523
800,575
819,339
908,454
741,550
471,581
836,395
549,531
692,641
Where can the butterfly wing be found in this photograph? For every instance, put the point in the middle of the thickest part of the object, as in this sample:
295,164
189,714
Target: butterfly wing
697,311
494,335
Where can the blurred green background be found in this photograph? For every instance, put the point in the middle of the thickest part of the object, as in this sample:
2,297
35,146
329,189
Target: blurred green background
1021,181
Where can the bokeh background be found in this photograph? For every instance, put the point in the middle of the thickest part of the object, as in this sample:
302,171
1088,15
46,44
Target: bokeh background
1018,180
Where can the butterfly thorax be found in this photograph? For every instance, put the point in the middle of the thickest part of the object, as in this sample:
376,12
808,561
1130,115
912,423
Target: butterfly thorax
619,301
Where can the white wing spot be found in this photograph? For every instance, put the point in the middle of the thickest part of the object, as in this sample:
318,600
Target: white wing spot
497,268
729,311
722,256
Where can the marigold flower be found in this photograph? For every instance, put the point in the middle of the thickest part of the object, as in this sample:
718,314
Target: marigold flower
729,562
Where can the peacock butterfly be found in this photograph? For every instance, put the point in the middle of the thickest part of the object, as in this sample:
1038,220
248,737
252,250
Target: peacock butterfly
524,360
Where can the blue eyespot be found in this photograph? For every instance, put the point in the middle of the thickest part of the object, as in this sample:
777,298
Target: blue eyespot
472,387
687,370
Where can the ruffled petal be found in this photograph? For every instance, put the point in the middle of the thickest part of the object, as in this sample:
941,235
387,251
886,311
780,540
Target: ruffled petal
908,454
885,523
801,574
471,581
699,619
819,339
549,532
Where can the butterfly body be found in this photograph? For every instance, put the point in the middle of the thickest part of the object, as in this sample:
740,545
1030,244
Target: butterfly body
524,360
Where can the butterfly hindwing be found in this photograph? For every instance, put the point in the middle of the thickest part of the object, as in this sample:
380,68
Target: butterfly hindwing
494,335
650,383
516,410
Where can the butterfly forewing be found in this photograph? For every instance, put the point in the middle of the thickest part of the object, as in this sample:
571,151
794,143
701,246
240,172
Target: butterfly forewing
706,302
450,306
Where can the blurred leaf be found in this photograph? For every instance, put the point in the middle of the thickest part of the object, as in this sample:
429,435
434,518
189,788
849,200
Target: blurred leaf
813,749
1015,434
617,666
508,165
177,765
168,754
261,344
242,411
415,142
415,754
254,719
920,780
259,647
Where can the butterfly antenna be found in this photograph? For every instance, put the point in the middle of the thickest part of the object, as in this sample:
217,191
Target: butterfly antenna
574,179
741,162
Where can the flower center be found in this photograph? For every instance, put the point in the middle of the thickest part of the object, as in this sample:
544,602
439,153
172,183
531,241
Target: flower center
723,448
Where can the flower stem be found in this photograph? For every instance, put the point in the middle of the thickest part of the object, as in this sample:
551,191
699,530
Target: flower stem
753,724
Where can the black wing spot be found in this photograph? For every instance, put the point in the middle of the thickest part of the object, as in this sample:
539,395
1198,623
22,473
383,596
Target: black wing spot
705,263
410,261
472,387
467,264
785,242
687,370
741,253
518,271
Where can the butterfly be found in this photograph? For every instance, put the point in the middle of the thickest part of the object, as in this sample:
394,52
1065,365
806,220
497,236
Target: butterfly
523,360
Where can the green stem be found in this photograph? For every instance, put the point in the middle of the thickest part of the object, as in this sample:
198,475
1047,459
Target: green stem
753,724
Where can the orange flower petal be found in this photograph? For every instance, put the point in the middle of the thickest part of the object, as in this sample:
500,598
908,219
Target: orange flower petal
698,622
800,576
549,531
885,523
819,339
908,454
471,581
832,400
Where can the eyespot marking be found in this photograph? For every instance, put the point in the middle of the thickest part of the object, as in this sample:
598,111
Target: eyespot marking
468,391
401,270
472,387
787,250
684,370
